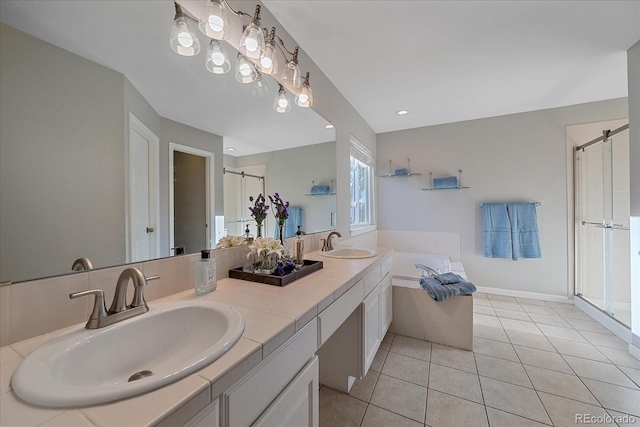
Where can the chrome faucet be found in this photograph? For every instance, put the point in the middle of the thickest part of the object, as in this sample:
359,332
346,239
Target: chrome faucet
327,245
119,310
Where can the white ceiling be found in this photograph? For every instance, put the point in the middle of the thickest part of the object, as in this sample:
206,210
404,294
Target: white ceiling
448,61
444,61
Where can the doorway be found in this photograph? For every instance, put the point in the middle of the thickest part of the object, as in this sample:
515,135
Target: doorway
191,198
143,201
602,213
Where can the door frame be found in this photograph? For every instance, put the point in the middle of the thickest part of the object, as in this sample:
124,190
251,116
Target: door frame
135,125
209,190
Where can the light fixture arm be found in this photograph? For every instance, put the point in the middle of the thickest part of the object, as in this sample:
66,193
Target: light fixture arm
183,14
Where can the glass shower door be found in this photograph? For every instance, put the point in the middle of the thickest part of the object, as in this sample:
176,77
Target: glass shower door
603,214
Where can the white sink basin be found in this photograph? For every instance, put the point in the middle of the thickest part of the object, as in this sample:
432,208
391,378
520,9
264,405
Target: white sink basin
86,367
349,253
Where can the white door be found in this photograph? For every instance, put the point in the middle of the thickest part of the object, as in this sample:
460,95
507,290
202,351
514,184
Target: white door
143,193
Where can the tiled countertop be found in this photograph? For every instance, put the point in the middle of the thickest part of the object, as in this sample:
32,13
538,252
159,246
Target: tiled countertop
272,314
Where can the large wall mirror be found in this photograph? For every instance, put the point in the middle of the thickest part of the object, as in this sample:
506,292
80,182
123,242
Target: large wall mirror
100,120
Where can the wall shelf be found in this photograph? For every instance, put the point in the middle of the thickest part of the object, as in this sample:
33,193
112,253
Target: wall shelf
393,175
399,175
438,189
321,194
459,181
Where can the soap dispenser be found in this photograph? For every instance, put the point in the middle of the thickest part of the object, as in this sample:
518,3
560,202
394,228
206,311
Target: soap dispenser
299,249
247,235
205,273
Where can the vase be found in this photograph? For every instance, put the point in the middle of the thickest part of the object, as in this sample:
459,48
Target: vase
281,232
265,263
258,230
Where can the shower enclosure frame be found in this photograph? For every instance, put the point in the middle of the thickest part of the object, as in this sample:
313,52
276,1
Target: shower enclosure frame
607,225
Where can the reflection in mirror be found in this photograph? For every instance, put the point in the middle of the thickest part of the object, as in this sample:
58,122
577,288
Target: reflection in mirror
303,176
77,100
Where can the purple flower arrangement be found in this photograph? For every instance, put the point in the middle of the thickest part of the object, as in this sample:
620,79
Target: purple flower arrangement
281,208
259,210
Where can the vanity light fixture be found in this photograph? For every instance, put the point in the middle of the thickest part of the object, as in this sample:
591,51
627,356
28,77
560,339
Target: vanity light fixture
245,70
281,103
292,72
402,112
305,98
214,23
217,59
257,46
252,41
183,41
259,89
269,62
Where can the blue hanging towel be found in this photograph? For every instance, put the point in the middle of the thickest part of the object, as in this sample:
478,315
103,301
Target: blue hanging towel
496,231
524,230
291,224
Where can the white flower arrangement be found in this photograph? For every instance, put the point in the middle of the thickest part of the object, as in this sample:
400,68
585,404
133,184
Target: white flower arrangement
229,241
265,247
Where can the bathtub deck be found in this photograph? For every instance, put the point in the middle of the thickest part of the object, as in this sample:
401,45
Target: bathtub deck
417,315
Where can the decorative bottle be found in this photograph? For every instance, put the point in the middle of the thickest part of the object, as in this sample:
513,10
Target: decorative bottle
205,273
299,248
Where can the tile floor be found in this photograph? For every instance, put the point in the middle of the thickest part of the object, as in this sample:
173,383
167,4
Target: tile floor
534,363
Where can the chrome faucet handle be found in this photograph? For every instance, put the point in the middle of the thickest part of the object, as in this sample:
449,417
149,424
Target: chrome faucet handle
99,308
324,245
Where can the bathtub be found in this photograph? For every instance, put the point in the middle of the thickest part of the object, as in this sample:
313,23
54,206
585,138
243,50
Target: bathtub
417,315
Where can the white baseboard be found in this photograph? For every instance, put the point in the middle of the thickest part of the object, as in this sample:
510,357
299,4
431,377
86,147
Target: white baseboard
523,294
613,325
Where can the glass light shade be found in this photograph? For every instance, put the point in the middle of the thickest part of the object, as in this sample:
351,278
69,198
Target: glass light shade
183,41
252,42
269,62
245,70
215,21
305,98
281,103
292,74
217,59
259,89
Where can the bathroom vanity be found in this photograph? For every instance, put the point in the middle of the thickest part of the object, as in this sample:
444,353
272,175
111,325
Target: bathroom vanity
323,328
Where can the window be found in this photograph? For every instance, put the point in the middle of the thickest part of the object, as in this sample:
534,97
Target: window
361,187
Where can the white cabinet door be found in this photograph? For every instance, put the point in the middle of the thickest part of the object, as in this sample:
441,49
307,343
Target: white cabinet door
208,417
371,328
298,404
386,305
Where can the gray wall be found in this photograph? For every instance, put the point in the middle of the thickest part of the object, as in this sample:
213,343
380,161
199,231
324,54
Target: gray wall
519,157
61,127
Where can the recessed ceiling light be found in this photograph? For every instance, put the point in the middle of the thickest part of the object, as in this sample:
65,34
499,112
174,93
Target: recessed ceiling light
329,126
402,112
231,149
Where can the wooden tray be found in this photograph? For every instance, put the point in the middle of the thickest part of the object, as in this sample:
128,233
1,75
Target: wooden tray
271,279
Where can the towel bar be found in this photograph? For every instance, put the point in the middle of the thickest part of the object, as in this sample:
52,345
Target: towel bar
537,203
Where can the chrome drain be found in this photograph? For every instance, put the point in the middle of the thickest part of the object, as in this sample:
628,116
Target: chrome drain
139,375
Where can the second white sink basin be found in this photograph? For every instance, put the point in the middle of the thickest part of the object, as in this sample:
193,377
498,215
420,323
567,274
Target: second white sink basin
85,367
349,253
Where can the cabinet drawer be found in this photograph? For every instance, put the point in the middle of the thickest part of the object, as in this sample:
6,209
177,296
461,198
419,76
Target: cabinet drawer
297,405
337,313
372,279
246,400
